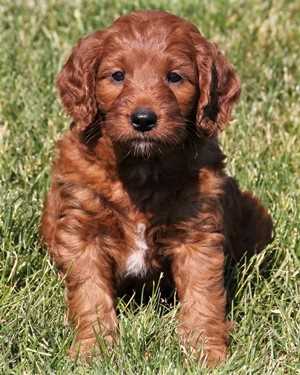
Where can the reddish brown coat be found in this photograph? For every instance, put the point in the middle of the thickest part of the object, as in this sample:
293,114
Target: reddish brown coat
116,191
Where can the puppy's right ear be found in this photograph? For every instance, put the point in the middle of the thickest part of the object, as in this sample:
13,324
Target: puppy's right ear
77,80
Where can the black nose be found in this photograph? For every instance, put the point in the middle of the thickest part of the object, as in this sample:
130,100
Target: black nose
143,119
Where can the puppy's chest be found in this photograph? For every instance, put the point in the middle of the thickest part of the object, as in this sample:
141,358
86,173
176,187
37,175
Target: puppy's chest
136,264
141,255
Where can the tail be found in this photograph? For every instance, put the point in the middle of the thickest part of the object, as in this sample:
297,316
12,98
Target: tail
255,228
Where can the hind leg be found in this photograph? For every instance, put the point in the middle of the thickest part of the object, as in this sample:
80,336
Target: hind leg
248,225
257,224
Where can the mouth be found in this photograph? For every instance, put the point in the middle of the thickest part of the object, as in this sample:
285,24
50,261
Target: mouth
149,146
144,147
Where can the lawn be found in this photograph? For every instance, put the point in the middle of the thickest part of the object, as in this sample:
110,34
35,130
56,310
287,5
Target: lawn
261,38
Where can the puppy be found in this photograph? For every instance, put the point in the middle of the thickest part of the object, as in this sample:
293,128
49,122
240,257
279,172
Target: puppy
138,184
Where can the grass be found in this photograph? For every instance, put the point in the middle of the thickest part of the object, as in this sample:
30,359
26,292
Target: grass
262,40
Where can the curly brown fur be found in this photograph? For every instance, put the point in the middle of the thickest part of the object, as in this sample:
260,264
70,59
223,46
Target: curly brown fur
130,204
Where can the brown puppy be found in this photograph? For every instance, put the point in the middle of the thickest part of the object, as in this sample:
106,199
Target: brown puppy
138,186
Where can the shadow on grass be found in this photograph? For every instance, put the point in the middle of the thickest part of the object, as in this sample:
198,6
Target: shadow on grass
157,290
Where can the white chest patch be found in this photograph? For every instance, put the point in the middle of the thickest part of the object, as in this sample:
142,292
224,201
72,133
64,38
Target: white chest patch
136,265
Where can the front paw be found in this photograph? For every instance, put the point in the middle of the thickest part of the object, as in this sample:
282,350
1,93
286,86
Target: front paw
83,350
86,349
209,350
213,356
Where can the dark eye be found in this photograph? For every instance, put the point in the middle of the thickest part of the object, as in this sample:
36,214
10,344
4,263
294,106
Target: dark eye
173,77
118,76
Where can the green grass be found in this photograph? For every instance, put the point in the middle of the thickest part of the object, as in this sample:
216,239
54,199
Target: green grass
262,40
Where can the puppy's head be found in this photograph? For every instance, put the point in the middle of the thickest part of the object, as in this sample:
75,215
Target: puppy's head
146,81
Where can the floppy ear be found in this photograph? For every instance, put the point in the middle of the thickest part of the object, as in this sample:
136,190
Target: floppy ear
77,80
219,87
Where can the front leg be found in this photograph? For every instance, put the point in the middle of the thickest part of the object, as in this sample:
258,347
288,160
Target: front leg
198,270
90,299
71,231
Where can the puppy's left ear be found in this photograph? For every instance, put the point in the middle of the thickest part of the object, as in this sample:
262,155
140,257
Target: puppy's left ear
219,87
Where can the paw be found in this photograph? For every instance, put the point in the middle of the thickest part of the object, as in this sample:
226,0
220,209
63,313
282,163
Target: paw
210,351
86,349
83,350
212,357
